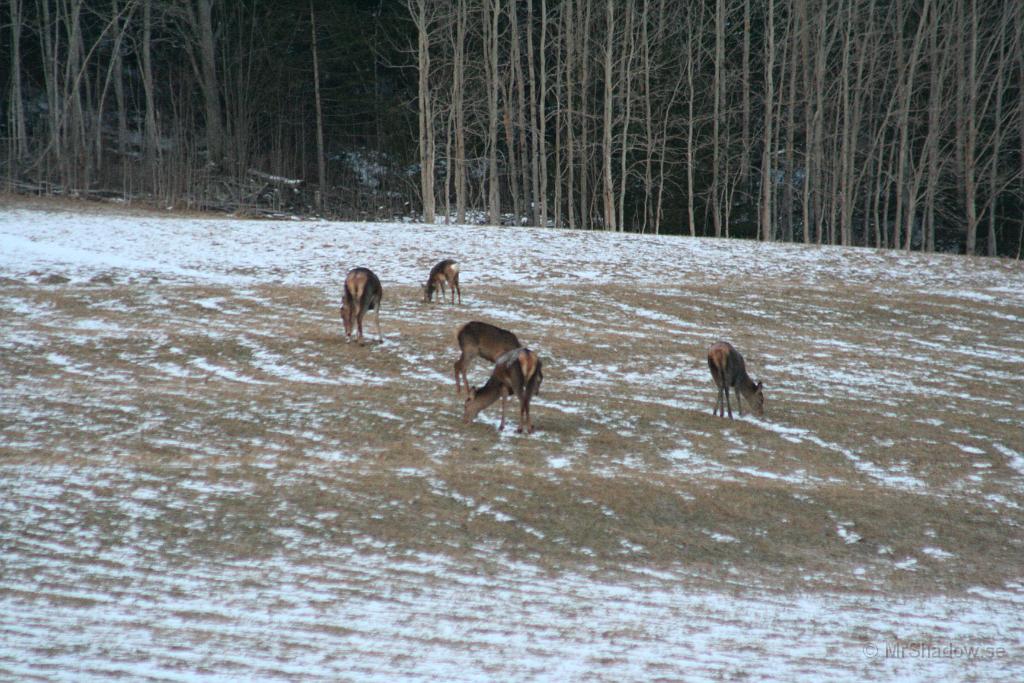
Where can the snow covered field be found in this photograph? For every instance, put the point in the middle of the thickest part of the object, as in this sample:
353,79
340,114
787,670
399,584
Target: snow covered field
200,480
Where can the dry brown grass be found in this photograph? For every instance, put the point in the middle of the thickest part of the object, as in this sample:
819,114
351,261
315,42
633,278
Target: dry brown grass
253,413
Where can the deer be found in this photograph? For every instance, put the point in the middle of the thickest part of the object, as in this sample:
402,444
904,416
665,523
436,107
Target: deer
729,370
518,372
362,293
446,270
480,339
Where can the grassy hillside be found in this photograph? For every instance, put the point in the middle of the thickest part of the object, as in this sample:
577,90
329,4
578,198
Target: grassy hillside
195,406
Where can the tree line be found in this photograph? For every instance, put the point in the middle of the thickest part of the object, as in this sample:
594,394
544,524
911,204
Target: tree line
858,122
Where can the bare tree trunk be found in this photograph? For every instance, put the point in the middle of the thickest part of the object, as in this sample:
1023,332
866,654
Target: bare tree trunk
1019,46
458,99
606,142
529,204
542,192
718,86
419,11
113,74
691,95
846,133
767,232
119,95
50,40
626,83
998,88
152,148
586,212
531,75
448,134
805,34
745,86
969,127
321,159
907,91
507,89
879,220
18,149
570,115
491,15
648,121
790,174
202,18
825,37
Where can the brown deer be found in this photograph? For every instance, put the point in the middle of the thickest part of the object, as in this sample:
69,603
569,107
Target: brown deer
515,372
480,339
445,271
362,293
729,370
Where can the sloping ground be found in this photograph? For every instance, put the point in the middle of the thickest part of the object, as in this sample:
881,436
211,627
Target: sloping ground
199,477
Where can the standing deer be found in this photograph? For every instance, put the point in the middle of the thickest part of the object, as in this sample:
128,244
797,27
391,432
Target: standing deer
445,271
729,370
362,293
515,372
480,339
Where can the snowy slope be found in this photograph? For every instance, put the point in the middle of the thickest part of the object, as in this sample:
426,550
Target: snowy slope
103,497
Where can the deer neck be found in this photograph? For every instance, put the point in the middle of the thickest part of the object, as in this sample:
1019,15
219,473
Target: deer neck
487,394
745,385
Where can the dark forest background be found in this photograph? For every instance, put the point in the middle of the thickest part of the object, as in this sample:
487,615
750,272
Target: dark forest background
860,122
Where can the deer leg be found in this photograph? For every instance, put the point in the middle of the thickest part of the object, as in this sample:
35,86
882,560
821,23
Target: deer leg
739,403
458,380
459,290
727,404
461,366
504,398
719,408
376,316
524,416
359,324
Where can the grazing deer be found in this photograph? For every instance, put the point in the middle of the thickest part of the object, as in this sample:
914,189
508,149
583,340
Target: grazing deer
445,271
362,293
729,370
480,339
515,372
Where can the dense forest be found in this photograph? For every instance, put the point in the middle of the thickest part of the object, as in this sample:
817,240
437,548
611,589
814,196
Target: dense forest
857,122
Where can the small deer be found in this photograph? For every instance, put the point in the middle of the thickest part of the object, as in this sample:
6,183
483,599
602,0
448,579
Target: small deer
480,339
515,372
362,293
446,271
729,370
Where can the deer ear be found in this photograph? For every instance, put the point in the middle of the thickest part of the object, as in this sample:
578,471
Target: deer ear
759,385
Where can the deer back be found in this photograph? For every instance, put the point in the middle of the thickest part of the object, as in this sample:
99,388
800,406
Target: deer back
729,369
726,364
362,293
519,370
362,287
446,270
486,340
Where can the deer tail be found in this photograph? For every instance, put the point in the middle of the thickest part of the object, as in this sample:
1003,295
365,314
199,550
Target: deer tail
528,364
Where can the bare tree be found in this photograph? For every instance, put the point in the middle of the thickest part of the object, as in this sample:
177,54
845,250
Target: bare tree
767,232
608,190
321,160
18,148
